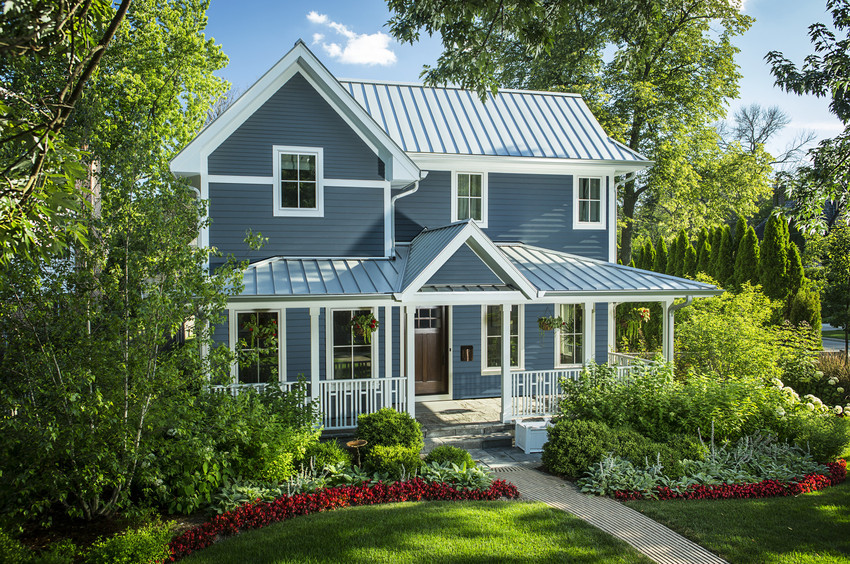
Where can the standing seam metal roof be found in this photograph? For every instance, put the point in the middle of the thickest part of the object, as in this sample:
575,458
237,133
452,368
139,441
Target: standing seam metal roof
516,123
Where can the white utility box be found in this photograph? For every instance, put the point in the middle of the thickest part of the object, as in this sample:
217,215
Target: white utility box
531,435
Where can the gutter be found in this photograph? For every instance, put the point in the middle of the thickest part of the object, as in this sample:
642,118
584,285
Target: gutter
422,175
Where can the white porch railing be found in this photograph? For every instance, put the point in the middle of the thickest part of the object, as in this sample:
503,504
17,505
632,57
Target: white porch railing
343,400
235,389
537,392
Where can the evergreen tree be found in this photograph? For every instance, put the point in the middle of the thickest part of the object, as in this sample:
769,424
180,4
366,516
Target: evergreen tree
660,264
716,238
773,260
704,259
725,264
747,259
648,255
796,274
690,263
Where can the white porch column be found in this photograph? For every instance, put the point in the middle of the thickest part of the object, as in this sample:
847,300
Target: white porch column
410,358
314,353
507,413
589,338
667,330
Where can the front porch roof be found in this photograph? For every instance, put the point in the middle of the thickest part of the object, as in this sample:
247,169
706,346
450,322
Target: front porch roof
528,273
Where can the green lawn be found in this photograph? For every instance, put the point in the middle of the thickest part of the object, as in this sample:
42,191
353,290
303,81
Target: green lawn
806,529
475,532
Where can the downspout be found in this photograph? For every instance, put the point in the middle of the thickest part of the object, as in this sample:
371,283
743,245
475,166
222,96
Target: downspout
422,175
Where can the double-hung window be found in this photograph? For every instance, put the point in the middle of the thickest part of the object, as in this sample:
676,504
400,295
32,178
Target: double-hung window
351,355
589,203
257,347
298,181
469,197
570,337
492,337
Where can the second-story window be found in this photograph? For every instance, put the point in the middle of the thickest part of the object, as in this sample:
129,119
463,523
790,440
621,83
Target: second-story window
298,181
469,197
589,204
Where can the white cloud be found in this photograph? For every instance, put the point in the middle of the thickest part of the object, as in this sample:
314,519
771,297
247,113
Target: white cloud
358,49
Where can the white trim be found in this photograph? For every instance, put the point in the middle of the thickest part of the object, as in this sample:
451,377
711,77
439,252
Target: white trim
521,339
232,179
329,344
595,225
278,210
558,364
482,223
529,165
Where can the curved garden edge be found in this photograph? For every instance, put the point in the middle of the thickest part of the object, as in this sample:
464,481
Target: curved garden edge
257,515
765,488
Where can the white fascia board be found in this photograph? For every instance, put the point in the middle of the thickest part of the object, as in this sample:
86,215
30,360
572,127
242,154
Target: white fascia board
530,165
299,59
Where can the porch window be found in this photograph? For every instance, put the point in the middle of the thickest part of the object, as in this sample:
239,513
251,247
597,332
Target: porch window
492,333
257,347
298,181
352,356
570,337
469,197
589,204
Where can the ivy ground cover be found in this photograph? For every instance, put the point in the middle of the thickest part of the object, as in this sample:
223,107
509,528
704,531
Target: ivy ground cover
497,531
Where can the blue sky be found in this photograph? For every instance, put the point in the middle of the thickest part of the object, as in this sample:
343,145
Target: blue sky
351,39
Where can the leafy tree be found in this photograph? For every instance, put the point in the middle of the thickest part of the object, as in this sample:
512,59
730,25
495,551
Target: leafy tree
747,259
660,264
773,260
90,363
836,294
657,72
48,52
823,74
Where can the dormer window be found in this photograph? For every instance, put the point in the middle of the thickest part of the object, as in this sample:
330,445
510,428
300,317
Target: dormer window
589,203
469,197
298,181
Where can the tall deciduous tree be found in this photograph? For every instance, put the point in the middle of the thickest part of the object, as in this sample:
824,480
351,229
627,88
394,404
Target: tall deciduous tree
670,70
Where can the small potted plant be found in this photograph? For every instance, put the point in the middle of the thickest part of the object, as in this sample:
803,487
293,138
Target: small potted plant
364,325
549,323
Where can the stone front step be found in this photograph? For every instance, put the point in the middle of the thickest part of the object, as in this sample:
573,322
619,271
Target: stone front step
471,441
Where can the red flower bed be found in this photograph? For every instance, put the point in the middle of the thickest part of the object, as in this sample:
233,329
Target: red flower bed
766,488
260,514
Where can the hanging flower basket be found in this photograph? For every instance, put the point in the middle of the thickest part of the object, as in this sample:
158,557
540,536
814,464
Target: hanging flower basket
550,323
364,325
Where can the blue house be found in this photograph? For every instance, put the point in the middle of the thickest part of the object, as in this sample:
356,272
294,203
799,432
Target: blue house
456,224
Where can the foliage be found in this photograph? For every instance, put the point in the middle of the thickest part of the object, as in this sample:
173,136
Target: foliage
325,454
48,53
388,427
824,74
261,514
148,544
397,461
451,454
575,444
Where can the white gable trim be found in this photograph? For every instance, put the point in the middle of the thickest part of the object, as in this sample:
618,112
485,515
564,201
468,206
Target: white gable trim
301,60
486,250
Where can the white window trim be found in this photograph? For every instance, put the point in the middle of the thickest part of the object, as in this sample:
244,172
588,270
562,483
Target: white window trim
233,330
329,345
484,196
603,198
318,152
558,340
521,344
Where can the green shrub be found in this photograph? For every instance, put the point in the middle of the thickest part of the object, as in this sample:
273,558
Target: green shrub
388,427
148,544
326,454
574,445
395,460
452,454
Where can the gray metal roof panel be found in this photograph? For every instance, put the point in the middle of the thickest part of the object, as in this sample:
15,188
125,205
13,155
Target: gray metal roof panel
513,123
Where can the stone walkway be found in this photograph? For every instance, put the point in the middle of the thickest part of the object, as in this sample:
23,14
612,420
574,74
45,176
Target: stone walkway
649,537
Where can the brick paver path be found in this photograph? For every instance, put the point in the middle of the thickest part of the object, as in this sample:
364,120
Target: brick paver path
647,536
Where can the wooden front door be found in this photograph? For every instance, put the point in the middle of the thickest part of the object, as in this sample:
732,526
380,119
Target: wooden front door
432,350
